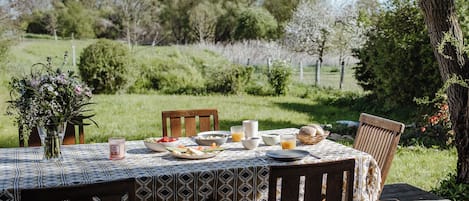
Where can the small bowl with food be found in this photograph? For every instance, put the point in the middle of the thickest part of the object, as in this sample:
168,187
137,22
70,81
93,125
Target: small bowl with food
160,143
271,139
211,138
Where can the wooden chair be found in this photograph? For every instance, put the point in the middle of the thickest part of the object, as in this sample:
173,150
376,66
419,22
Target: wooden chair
189,117
105,191
313,174
379,138
69,137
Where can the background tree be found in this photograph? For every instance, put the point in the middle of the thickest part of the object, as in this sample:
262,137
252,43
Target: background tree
134,13
255,23
282,10
396,60
310,27
441,18
348,31
203,20
74,19
7,28
174,14
227,22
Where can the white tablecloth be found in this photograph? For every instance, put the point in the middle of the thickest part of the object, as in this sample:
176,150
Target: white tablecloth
234,174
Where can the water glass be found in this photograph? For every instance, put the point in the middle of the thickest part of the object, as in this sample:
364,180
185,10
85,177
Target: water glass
288,141
251,128
237,133
116,148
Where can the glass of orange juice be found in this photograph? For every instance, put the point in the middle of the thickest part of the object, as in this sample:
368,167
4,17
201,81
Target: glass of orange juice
288,141
237,133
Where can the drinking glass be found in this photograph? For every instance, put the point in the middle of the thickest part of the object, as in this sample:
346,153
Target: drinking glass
116,148
237,133
251,128
288,141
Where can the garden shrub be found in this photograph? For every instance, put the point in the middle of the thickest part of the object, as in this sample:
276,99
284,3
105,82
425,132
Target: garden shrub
232,79
434,129
449,189
103,66
279,77
176,70
397,60
170,76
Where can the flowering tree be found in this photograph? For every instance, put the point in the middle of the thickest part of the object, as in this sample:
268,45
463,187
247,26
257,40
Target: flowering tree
203,20
310,27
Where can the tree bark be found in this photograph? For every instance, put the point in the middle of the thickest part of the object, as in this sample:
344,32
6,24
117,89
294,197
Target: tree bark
440,18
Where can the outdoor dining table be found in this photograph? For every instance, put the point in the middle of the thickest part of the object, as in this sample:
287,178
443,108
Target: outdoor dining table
233,174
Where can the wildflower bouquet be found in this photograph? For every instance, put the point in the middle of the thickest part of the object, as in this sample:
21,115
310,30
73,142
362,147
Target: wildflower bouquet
48,97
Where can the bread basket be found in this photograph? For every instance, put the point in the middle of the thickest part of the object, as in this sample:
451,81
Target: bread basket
312,139
308,134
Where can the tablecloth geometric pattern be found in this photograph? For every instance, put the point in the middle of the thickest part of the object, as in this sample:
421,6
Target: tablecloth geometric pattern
234,174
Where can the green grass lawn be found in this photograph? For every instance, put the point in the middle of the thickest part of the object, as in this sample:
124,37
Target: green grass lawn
137,116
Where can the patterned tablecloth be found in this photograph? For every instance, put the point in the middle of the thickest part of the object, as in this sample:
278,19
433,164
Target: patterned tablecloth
234,174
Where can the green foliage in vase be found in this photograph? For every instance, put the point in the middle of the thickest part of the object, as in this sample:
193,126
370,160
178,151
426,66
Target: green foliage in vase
103,66
48,97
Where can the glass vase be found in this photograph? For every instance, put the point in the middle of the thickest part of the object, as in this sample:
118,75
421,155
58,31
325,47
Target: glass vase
51,139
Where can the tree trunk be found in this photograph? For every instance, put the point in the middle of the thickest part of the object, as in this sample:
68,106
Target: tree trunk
441,18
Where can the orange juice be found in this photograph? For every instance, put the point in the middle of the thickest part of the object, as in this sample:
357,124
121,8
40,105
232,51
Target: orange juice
237,136
288,144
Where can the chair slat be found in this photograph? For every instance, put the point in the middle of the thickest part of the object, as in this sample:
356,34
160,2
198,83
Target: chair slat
335,182
105,191
204,122
204,117
191,127
314,184
175,126
290,175
379,137
292,183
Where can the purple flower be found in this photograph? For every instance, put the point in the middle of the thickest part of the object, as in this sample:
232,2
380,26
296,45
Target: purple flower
78,89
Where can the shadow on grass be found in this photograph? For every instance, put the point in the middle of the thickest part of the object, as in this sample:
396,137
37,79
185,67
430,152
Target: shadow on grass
321,112
264,124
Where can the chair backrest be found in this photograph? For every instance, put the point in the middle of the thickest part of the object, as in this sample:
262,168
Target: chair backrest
69,137
105,191
313,177
189,118
379,138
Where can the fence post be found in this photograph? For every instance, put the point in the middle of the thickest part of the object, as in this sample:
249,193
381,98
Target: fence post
342,72
269,63
301,71
73,52
249,59
318,72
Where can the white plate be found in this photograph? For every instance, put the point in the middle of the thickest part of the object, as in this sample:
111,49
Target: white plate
195,157
287,155
190,156
215,132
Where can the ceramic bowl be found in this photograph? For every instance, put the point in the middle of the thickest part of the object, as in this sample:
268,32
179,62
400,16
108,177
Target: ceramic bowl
151,143
208,138
271,139
251,143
